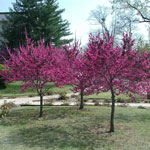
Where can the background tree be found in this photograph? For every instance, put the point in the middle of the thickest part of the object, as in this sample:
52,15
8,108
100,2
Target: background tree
40,18
3,56
142,44
2,81
140,8
113,21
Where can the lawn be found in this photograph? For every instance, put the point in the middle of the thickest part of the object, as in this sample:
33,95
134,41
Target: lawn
14,89
67,128
106,97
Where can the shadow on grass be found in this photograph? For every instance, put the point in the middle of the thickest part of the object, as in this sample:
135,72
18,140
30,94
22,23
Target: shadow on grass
20,116
68,128
60,127
80,138
26,115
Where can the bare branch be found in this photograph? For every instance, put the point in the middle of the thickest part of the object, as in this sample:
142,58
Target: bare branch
145,19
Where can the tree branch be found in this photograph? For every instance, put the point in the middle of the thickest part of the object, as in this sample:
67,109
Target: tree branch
145,19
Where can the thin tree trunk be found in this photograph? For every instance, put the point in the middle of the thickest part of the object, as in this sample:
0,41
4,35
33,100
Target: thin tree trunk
148,95
112,129
81,100
41,106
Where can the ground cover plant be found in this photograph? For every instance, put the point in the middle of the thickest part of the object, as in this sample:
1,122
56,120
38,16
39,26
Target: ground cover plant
4,110
67,128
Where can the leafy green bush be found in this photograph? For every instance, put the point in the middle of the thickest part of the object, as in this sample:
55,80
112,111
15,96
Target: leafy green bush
50,93
63,96
85,100
32,95
119,100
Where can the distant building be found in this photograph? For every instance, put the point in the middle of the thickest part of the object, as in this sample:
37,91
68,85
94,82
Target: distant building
2,19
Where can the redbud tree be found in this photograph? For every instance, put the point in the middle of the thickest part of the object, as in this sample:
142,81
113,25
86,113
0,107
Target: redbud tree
77,73
117,69
34,65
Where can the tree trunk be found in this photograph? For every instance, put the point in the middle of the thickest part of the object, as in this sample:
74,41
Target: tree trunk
81,100
112,129
41,105
2,83
148,95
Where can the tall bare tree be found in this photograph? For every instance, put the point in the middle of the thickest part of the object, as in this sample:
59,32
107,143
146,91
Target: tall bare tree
140,10
139,7
113,21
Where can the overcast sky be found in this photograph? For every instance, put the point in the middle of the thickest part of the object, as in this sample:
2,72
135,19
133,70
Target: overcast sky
76,12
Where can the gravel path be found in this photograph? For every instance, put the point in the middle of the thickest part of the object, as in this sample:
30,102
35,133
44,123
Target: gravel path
71,101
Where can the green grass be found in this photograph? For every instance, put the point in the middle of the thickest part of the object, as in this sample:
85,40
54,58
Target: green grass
14,90
106,96
67,128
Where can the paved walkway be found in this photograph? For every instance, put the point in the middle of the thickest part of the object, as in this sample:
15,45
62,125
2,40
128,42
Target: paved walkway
26,100
32,100
36,101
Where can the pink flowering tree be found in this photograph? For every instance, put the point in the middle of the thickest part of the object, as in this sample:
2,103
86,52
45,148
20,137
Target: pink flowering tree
81,77
117,69
34,65
78,73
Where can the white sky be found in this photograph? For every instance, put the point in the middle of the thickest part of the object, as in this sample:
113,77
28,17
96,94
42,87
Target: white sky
76,12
